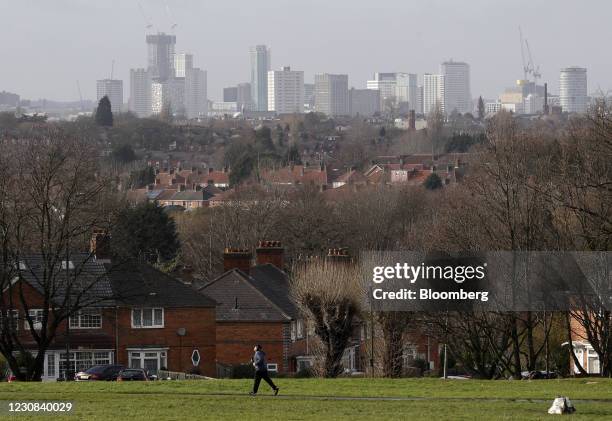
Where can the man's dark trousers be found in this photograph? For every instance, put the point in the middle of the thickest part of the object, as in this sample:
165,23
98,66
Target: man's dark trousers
259,375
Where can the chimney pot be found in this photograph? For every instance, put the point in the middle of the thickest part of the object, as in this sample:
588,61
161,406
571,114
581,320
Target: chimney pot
270,252
237,258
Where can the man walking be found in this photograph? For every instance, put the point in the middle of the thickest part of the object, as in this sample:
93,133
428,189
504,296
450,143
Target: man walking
261,370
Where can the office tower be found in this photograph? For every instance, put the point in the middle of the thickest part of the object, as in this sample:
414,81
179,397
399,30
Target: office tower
140,92
170,93
113,89
196,101
260,65
406,89
8,98
433,93
364,102
386,84
331,94
243,96
161,56
309,95
286,91
419,101
230,94
457,92
182,63
573,89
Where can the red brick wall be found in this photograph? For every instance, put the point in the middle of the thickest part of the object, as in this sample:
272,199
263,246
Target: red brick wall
199,324
235,342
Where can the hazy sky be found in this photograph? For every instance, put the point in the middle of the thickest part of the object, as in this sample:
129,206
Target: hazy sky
47,45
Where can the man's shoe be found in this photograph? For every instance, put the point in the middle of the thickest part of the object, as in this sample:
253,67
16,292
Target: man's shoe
276,391
252,393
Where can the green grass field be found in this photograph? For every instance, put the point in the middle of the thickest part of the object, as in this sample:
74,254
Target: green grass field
353,399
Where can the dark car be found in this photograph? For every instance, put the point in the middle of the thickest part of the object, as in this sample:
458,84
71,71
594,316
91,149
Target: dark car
133,374
99,372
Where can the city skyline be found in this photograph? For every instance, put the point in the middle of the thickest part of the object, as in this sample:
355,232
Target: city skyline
398,38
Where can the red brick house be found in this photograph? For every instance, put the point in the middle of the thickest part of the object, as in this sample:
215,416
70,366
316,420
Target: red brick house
140,317
253,307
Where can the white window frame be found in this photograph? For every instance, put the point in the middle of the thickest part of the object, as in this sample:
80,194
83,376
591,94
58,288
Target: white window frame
299,328
293,330
78,321
139,353
153,325
36,314
273,367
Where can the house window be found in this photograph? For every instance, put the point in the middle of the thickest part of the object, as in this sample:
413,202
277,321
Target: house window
147,317
300,328
50,365
82,360
37,316
67,264
86,319
273,367
148,359
12,317
293,331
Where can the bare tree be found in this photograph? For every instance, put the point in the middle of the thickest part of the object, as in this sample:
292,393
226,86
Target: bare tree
53,195
330,295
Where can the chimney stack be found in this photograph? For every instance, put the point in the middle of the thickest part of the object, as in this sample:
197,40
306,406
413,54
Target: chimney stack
237,258
270,252
99,245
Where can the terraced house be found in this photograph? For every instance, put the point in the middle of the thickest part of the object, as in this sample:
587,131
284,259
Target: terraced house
136,316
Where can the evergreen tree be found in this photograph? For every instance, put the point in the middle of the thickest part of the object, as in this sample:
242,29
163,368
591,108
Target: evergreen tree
481,108
104,115
145,231
433,182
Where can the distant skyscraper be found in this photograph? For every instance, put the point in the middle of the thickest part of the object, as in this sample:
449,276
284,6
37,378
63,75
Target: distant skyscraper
433,92
260,65
170,93
573,89
457,92
140,92
364,102
406,89
286,91
196,101
419,101
309,94
331,94
243,96
113,89
386,84
161,56
230,94
182,63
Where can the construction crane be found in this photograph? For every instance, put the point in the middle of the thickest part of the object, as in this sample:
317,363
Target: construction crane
148,24
173,24
529,67
80,95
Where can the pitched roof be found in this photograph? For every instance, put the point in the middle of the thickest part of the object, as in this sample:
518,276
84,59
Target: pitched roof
259,297
86,278
139,284
191,195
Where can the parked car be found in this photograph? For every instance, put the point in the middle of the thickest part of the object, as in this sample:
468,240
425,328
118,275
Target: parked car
133,374
99,372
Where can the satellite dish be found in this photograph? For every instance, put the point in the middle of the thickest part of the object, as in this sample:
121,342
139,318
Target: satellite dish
181,331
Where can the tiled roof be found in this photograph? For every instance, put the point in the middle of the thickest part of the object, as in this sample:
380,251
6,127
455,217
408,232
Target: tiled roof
262,296
190,195
139,284
86,278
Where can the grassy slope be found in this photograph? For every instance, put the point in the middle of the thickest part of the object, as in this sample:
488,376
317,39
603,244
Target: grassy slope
225,399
